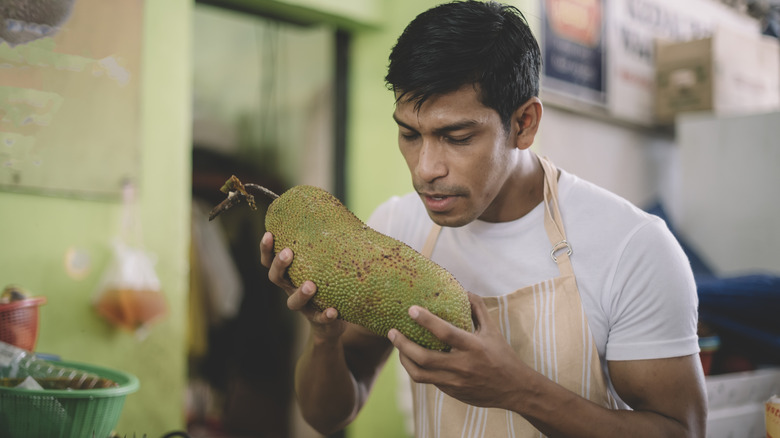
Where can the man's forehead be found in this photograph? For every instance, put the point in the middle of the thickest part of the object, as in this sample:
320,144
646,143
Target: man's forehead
448,107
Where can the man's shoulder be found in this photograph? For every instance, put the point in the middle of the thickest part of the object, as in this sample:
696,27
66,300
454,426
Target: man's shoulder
406,200
604,219
588,200
398,214
403,206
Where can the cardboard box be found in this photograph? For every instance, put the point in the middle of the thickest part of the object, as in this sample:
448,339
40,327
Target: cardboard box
745,421
736,402
728,73
772,417
748,387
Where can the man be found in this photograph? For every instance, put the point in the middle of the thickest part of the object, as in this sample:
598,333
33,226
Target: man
584,306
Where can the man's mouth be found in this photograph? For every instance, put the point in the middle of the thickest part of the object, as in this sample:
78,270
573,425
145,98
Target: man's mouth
437,202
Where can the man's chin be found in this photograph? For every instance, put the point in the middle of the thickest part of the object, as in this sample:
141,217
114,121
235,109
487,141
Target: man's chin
448,219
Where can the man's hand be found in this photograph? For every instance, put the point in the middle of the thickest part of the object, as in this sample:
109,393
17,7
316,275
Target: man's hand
666,395
325,325
479,368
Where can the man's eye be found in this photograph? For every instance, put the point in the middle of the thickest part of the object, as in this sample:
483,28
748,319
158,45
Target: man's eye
409,136
459,140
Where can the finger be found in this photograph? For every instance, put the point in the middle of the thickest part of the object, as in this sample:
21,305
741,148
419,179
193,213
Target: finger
278,269
301,296
326,316
406,349
401,342
443,330
267,249
479,312
411,355
420,355
415,372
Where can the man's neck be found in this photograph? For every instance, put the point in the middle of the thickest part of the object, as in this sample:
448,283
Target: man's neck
531,186
524,190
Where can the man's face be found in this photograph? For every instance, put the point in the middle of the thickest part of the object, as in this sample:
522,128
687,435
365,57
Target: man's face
459,155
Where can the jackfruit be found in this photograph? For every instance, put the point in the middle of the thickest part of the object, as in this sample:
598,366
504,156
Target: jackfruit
371,279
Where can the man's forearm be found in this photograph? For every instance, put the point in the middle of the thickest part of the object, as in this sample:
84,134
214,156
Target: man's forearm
558,412
328,393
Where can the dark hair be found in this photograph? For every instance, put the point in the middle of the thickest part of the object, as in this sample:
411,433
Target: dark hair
486,44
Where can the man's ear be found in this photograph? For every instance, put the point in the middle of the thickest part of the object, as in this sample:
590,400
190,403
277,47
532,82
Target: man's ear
526,121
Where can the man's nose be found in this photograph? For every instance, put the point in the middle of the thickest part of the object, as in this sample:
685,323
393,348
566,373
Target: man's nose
431,163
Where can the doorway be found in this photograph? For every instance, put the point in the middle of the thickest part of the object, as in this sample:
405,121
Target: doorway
268,106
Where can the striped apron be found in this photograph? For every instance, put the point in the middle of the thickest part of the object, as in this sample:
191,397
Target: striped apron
546,326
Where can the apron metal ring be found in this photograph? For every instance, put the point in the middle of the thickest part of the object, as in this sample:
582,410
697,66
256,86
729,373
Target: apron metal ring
559,246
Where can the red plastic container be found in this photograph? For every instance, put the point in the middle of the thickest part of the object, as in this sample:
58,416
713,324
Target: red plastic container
19,322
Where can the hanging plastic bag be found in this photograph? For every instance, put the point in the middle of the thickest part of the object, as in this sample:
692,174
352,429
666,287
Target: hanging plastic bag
129,294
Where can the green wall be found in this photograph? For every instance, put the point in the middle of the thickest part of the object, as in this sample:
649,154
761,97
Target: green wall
37,231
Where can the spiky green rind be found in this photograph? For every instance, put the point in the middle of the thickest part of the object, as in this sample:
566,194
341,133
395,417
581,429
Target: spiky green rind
370,278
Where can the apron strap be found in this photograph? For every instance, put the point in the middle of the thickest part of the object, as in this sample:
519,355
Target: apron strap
430,242
553,223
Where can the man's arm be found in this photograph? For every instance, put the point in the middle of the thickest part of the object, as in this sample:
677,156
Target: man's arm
340,361
667,395
333,377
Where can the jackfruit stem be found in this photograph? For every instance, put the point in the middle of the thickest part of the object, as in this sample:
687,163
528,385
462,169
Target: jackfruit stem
237,191
261,190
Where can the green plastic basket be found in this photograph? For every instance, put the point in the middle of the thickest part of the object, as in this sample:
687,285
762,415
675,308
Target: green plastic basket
83,413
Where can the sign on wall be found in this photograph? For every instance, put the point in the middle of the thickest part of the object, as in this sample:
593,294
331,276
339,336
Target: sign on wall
69,97
632,29
573,49
601,51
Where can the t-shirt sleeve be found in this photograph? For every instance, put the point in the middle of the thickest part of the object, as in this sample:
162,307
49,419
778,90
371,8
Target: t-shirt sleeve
653,309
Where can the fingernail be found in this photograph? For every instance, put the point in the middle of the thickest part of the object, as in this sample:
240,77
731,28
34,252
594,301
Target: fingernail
391,335
414,312
285,254
307,288
266,238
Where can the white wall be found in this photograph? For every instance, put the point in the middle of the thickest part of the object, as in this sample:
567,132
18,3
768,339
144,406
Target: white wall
728,202
635,163
718,178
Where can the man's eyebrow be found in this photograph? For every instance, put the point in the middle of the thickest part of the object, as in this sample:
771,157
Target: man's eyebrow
402,124
463,124
457,126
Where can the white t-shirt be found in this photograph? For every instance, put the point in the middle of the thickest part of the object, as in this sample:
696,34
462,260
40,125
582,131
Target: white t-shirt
635,282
